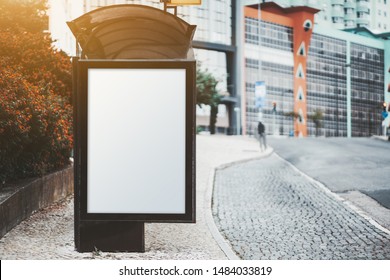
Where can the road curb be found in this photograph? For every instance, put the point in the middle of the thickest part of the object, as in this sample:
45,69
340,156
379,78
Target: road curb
380,138
337,197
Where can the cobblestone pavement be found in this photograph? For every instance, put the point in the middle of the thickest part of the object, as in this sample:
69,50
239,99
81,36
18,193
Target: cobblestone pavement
48,234
268,210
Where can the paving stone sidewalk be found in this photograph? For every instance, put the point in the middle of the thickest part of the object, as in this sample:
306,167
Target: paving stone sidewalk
48,234
268,210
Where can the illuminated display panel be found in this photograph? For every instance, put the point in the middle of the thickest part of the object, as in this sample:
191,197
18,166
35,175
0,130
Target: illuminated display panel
137,140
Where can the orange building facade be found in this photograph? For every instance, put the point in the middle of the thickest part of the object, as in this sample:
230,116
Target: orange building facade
300,20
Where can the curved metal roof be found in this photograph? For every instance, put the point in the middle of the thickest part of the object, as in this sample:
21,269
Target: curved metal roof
132,31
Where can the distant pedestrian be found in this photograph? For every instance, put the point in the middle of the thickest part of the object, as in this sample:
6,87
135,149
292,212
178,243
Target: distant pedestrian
388,133
262,140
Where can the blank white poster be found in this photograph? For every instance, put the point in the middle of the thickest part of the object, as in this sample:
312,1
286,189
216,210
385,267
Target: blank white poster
136,141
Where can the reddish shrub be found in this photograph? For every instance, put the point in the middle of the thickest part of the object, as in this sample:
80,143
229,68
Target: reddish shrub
35,90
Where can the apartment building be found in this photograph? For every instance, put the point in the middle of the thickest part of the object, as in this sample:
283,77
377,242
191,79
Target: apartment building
341,14
307,68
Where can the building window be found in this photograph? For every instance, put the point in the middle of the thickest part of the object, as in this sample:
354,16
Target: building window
367,72
337,19
270,35
348,11
251,63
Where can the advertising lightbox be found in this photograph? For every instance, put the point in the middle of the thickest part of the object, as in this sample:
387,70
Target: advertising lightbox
137,140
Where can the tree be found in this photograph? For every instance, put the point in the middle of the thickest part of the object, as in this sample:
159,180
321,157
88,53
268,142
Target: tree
293,115
35,93
207,94
317,117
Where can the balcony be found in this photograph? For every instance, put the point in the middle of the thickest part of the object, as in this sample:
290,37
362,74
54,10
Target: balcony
338,14
338,22
350,5
338,2
338,10
349,23
338,25
362,6
350,17
363,21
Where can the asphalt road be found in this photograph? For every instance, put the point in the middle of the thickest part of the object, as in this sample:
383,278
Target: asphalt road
341,164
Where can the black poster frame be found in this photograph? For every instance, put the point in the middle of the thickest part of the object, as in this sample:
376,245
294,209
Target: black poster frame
81,141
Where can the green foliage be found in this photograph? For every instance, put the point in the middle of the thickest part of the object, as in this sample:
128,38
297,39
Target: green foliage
206,88
293,115
317,117
35,94
207,94
199,129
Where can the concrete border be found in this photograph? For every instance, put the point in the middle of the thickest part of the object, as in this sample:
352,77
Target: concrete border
34,195
222,242
380,137
349,204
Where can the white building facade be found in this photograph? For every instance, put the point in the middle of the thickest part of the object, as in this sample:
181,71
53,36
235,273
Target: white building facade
343,14
214,26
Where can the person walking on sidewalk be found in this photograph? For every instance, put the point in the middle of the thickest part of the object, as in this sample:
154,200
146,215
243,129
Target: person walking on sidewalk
262,140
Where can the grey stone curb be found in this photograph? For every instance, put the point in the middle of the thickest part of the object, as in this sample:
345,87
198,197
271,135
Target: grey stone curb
32,195
337,197
221,241
380,138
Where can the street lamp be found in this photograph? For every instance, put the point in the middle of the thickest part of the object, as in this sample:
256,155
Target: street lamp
282,110
238,119
273,119
349,106
336,91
